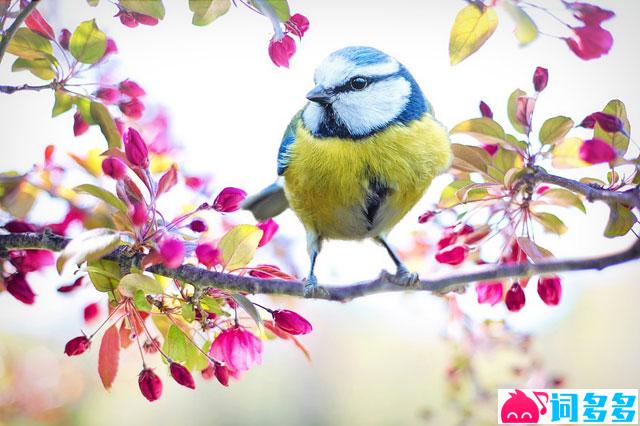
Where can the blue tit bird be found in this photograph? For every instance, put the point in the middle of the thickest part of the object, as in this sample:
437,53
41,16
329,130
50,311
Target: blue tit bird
358,156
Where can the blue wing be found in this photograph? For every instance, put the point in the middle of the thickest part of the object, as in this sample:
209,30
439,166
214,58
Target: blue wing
288,139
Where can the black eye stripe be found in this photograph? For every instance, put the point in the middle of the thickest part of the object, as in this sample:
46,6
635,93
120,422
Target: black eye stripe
346,86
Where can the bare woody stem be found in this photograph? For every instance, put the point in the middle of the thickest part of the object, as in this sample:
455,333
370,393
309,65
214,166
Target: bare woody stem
8,35
12,89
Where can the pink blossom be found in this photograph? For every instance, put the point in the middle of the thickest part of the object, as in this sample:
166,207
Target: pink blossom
131,89
77,345
515,299
79,125
18,287
281,51
208,255
540,79
114,168
550,290
453,254
597,151
298,25
238,348
229,199
135,148
291,322
269,229
590,42
150,384
132,109
108,94
489,292
172,252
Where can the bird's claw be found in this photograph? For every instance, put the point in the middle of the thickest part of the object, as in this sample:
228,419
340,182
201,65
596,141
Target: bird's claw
404,278
313,290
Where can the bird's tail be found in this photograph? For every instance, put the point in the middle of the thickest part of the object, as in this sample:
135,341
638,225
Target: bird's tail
268,203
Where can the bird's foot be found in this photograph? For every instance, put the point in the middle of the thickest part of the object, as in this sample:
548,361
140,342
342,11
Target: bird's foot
404,278
313,290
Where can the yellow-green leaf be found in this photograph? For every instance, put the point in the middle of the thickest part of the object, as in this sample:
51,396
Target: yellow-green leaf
88,246
550,222
207,11
555,129
471,29
84,108
621,219
483,129
63,103
449,197
41,68
533,250
618,140
564,198
239,245
512,108
470,158
131,283
153,8
280,7
29,45
101,115
104,274
526,30
101,194
88,43
565,155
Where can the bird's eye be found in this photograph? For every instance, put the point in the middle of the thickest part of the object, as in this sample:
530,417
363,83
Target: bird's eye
358,83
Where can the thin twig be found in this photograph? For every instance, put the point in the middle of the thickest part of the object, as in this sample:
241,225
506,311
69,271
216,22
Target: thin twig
12,89
15,25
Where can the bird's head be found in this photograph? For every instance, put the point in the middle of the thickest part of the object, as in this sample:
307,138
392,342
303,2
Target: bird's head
360,91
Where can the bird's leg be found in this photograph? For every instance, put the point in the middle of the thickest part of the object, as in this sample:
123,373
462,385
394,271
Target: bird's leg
402,277
314,243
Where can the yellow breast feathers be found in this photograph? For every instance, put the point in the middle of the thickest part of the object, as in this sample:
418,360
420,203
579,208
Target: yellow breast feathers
353,189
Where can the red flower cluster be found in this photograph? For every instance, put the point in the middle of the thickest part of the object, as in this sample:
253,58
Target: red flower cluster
282,48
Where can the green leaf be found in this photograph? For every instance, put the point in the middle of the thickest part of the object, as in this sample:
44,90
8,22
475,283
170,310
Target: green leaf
550,222
93,3
621,219
239,245
101,115
63,103
84,108
248,307
516,143
88,43
618,140
483,129
207,11
175,345
566,155
280,7
526,30
512,108
141,302
449,197
29,45
555,129
153,8
187,312
564,198
88,246
104,274
471,29
41,68
131,283
470,158
101,194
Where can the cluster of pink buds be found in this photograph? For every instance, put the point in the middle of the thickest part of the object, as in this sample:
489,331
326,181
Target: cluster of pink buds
282,46
132,19
455,243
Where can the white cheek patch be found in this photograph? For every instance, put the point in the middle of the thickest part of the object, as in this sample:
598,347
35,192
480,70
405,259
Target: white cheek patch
312,117
362,112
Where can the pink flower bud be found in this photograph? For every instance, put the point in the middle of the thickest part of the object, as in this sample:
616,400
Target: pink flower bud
181,375
208,255
91,311
132,109
36,22
145,19
77,345
426,216
131,89
465,229
172,252
524,111
491,148
485,110
229,199
590,42
135,148
515,298
597,151
71,287
489,292
291,322
114,168
550,290
198,225
194,182
64,37
19,227
542,189
281,51
127,19
589,122
222,374
79,125
453,255
540,79
26,261
17,286
298,25
609,123
111,48
108,94
269,229
150,384
138,213
447,239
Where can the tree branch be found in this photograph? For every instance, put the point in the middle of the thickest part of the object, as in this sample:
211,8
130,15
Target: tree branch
11,89
203,278
8,35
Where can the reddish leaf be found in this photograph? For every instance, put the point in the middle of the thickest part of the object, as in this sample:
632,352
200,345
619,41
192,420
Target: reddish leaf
37,23
109,356
125,336
168,180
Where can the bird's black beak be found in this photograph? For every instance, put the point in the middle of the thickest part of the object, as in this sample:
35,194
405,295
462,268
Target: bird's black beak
319,95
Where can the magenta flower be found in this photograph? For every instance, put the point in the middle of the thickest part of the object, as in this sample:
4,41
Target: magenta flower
453,254
515,298
281,51
291,322
597,151
17,286
26,261
489,292
135,149
550,290
491,148
131,89
109,95
79,125
297,25
269,229
208,255
485,110
238,348
114,168
172,252
77,345
150,384
609,123
229,199
181,375
132,109
540,79
590,42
